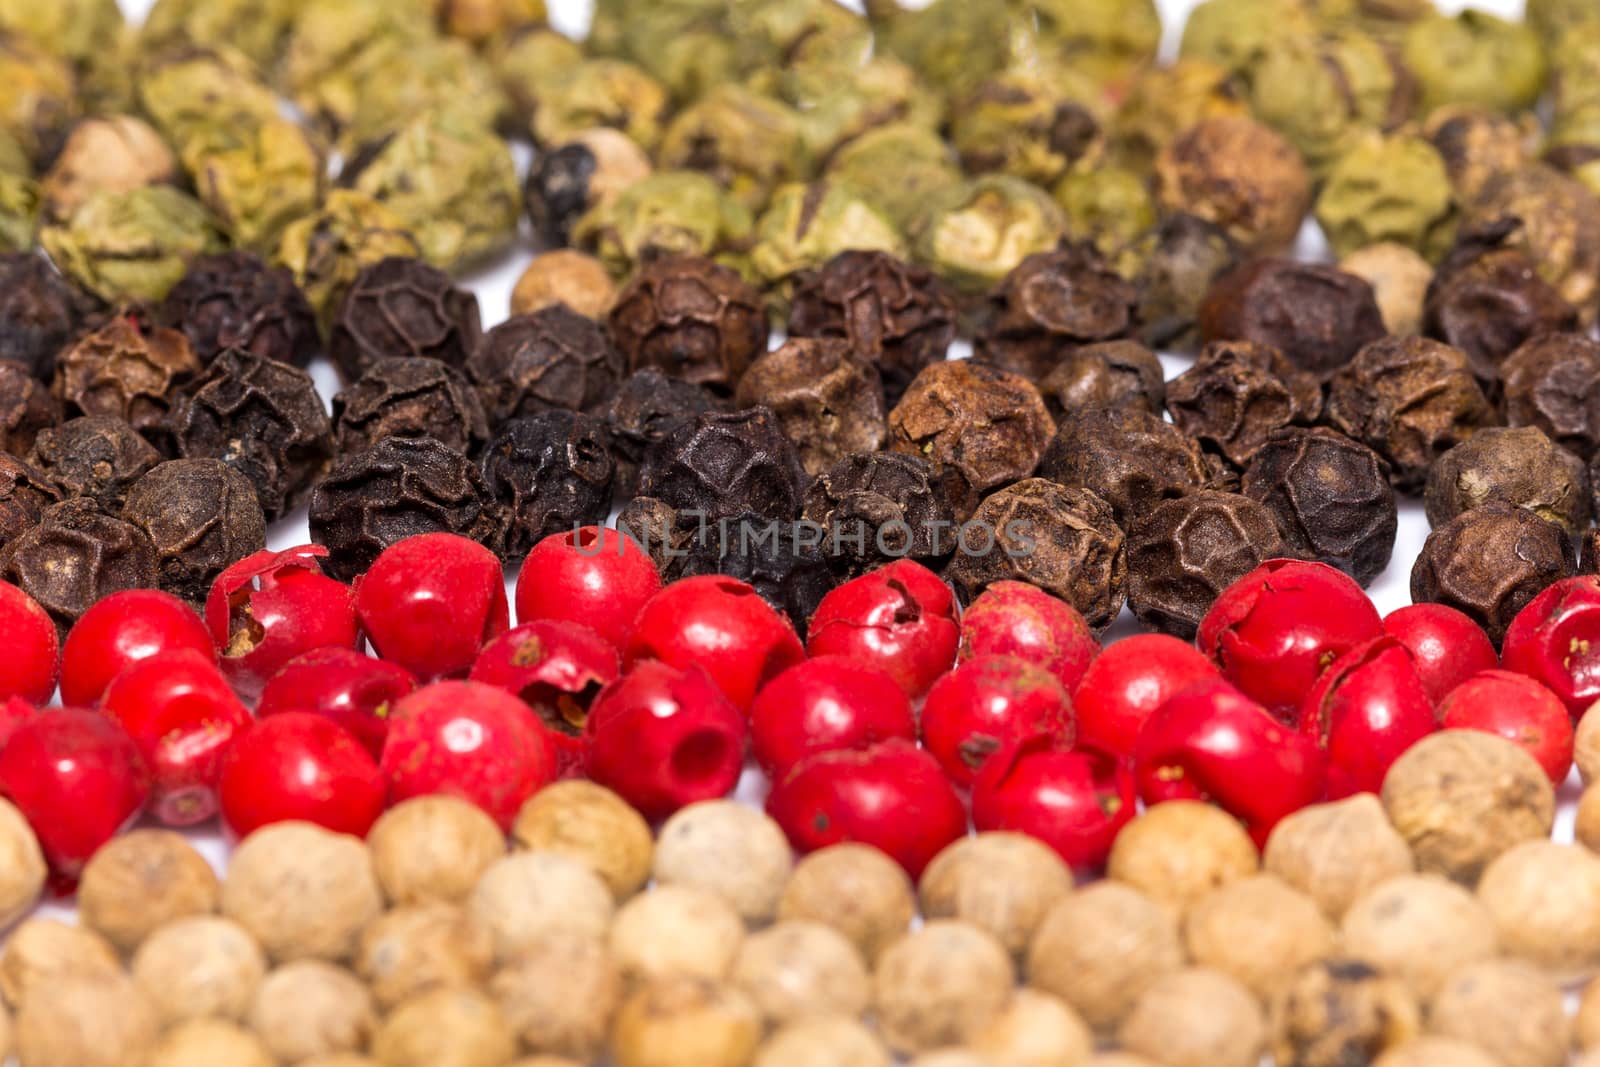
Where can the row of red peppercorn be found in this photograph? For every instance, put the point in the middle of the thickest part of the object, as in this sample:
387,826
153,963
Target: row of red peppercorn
1298,692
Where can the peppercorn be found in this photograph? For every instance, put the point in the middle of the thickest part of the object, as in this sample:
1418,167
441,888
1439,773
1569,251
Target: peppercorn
598,93
655,526
529,895
129,368
40,311
327,249
749,142
726,464
41,951
1521,467
552,472
310,1008
458,1027
1490,562
1388,188
1183,553
1540,897
1420,929
1474,58
685,1022
24,496
559,995
334,893
565,277
880,506
1558,228
116,152
1000,882
1258,931
795,970
670,213
549,360
409,397
26,407
261,417
1129,458
1180,850
940,986
1054,301
1317,315
677,932
1339,1009
644,409
234,300
1330,497
202,516
1430,1051
400,487
1196,1017
257,179
1034,1024
855,889
25,872
1477,144
977,232
433,849
201,1041
1507,1008
1034,126
97,457
827,401
1551,382
827,1039
788,570
132,245
692,318
905,167
1106,375
187,89
403,307
1236,395
198,966
1173,266
74,557
571,179
592,824
1239,174
807,225
1399,278
412,949
139,882
86,1021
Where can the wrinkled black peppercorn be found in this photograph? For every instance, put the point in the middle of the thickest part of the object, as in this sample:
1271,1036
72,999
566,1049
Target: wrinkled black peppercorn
129,368
726,464
1318,315
1129,458
40,311
781,561
76,556
94,456
552,472
26,407
1553,382
1237,394
403,307
653,524
1521,467
645,408
551,359
409,396
24,496
828,401
1489,563
1111,374
1050,303
202,517
877,507
234,300
691,317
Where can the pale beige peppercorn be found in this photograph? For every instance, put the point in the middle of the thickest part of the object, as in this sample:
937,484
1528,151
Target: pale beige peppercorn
833,1040
1420,928
143,880
1101,948
411,950
1258,931
730,849
1118,1059
855,889
1544,898
22,866
312,1008
99,1020
685,1022
950,1057
677,930
1005,883
1399,278
1034,1030
209,1043
940,985
1586,747
590,823
445,1028
559,994
1429,1051
302,891
1508,1008
568,277
1179,851
339,1059
433,849
1335,852
527,895
45,949
199,967
1586,826
796,969
114,153
1196,1018
1336,1010
1586,1024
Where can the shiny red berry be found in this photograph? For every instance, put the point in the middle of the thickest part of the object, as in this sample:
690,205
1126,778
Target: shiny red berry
77,778
183,715
430,602
273,606
1555,640
823,705
299,765
1212,742
1518,709
901,618
990,703
721,625
892,796
1274,631
356,691
1365,711
1446,646
663,737
594,576
557,669
32,647
1126,684
1074,800
120,630
1022,620
14,711
470,740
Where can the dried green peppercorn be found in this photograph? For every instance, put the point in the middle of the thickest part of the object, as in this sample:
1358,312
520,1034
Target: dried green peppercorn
1110,374
327,249
1167,100
24,496
1553,382
1551,19
129,368
77,30
1237,394
76,556
750,143
596,93
1107,206
1489,563
956,45
1033,126
1517,466
1476,145
403,396
1237,34
1387,189
26,407
202,517
1051,302
565,277
1559,231
257,29
115,153
645,408
1129,458
328,35
552,358
40,311
403,307
978,232
1317,315
38,97
569,180
526,59
805,226
552,472
903,167
1240,175
722,465
828,401
1173,267
692,318
670,213
97,457
876,507
1474,58
21,198
259,179
189,93
482,20
234,300
391,82
838,105
132,245
1110,39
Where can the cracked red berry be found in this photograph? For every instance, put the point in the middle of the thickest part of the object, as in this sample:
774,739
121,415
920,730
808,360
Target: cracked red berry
1126,684
354,690
1022,620
430,602
120,630
1074,800
901,618
273,606
301,766
1555,640
33,648
989,703
596,577
557,669
1365,711
1446,646
826,704
1518,709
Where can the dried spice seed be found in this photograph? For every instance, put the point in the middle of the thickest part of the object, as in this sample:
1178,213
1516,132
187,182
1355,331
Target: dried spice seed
409,396
26,407
1052,302
724,465
115,152
76,556
1489,563
1479,143
551,359
1173,267
1131,459
234,300
24,496
1521,467
1553,382
133,245
828,401
654,525
787,569
40,311
694,319
876,507
646,407
1399,278
1336,1010
328,249
129,368
569,180
1557,226
552,472
975,233
403,307
1238,394
202,517
1240,175
1110,374
93,456
565,277
1318,315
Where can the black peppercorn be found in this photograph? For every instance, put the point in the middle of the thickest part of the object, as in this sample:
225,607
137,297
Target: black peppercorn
93,456
1173,267
1129,458
1521,467
1330,497
653,525
1185,552
129,368
24,496
26,407
828,401
40,311
234,300
1110,374
76,556
403,307
1237,394
398,488
552,472
410,396
783,562
1489,563
1553,382
1589,552
202,517
1410,400
691,317
724,464
643,410
567,180
876,507
1317,315
1065,541
1050,303
550,359
261,417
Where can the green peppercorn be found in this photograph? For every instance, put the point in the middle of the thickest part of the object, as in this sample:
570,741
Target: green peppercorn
327,249
673,212
1030,126
976,232
20,197
1109,206
256,28
259,179
838,105
132,245
1165,101
527,61
1236,34
38,97
807,225
903,167
1388,189
1474,58
750,143
190,93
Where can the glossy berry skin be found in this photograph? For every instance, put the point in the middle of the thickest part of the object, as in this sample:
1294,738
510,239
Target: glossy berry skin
430,602
78,779
823,705
1074,800
122,629
721,625
469,740
182,714
1518,709
299,765
1212,742
557,669
988,703
1274,631
356,691
32,647
1446,646
891,796
273,606
14,711
1022,620
1555,640
900,617
593,576
1126,684
664,737
1365,711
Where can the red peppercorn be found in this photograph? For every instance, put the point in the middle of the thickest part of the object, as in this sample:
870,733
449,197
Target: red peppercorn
354,690
1446,646
77,777
33,648
182,714
120,630
273,606
1555,640
900,617
1518,709
1212,742
430,602
557,669
1022,620
1274,631
891,796
594,576
1365,711
13,713
988,703
721,625
299,765
1126,684
470,740
1074,800
824,705
663,737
